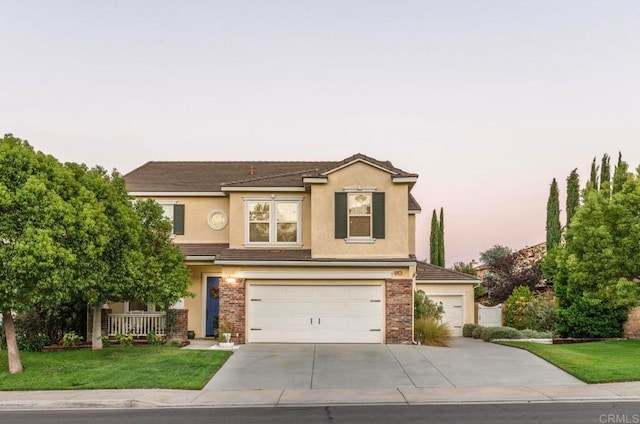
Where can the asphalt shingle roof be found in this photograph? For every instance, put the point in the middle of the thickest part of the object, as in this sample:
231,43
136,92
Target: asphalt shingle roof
212,176
202,249
297,255
427,272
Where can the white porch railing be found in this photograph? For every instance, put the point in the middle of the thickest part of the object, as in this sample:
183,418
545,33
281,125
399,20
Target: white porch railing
137,324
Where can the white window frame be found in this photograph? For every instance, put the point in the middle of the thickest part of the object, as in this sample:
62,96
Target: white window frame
164,203
273,224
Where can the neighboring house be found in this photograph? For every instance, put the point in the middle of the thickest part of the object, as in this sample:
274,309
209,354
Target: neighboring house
299,251
451,288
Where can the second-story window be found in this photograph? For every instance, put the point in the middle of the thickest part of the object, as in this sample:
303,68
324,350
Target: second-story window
273,221
359,214
175,213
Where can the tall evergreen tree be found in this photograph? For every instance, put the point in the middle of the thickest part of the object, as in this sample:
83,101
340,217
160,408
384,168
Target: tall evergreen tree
605,173
441,239
593,178
620,174
433,241
573,194
553,217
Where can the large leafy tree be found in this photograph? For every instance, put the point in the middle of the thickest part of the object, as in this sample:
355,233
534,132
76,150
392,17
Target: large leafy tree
553,216
434,243
165,275
573,195
140,261
51,227
594,273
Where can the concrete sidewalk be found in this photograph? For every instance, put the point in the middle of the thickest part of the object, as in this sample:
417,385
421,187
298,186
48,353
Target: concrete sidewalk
73,399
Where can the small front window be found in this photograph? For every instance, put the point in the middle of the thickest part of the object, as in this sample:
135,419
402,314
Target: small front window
359,214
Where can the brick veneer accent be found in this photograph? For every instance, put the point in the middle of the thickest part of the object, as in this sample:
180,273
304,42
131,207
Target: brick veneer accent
232,307
399,296
183,324
632,326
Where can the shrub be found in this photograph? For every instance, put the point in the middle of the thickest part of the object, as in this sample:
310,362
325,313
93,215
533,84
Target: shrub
525,310
425,308
125,339
432,332
105,340
584,318
152,339
492,333
32,343
477,332
71,339
467,330
533,334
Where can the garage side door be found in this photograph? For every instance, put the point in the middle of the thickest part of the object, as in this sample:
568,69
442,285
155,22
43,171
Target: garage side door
315,314
453,312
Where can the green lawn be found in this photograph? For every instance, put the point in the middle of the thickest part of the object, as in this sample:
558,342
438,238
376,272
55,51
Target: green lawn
595,362
115,367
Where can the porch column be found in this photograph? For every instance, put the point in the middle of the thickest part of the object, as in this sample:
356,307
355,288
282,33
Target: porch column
232,306
399,313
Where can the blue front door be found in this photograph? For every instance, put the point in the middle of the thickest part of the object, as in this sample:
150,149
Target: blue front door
213,305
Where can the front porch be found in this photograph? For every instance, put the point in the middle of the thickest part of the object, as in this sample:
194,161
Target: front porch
141,324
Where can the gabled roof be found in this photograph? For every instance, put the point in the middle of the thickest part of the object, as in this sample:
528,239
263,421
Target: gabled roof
359,157
429,272
158,177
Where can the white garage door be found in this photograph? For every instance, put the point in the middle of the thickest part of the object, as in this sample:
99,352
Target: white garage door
315,314
453,312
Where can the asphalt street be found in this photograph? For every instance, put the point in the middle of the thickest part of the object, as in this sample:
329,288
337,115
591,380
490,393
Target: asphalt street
563,413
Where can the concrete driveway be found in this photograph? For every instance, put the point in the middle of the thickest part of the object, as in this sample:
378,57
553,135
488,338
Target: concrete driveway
466,363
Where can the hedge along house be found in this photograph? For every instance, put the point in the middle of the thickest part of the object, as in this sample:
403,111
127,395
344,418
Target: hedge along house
298,252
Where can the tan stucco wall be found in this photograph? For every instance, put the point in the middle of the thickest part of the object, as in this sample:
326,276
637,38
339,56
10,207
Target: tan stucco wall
196,211
117,308
195,305
325,245
237,225
399,272
412,234
463,289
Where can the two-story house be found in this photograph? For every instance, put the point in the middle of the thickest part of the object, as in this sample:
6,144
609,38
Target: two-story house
299,252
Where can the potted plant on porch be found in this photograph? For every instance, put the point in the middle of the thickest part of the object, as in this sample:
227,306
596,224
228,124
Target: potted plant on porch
224,335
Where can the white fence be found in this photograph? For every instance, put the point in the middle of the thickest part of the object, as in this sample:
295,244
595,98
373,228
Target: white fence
490,316
138,325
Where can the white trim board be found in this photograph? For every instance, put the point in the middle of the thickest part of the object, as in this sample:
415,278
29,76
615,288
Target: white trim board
306,275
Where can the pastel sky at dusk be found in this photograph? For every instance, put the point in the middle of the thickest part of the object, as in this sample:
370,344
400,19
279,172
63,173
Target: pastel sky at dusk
486,100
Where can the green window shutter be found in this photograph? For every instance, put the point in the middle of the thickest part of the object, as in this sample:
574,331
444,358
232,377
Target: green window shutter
341,215
178,219
378,215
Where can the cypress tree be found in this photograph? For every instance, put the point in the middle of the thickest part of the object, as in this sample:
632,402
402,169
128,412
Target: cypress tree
433,241
573,194
620,174
605,173
441,239
593,178
553,217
